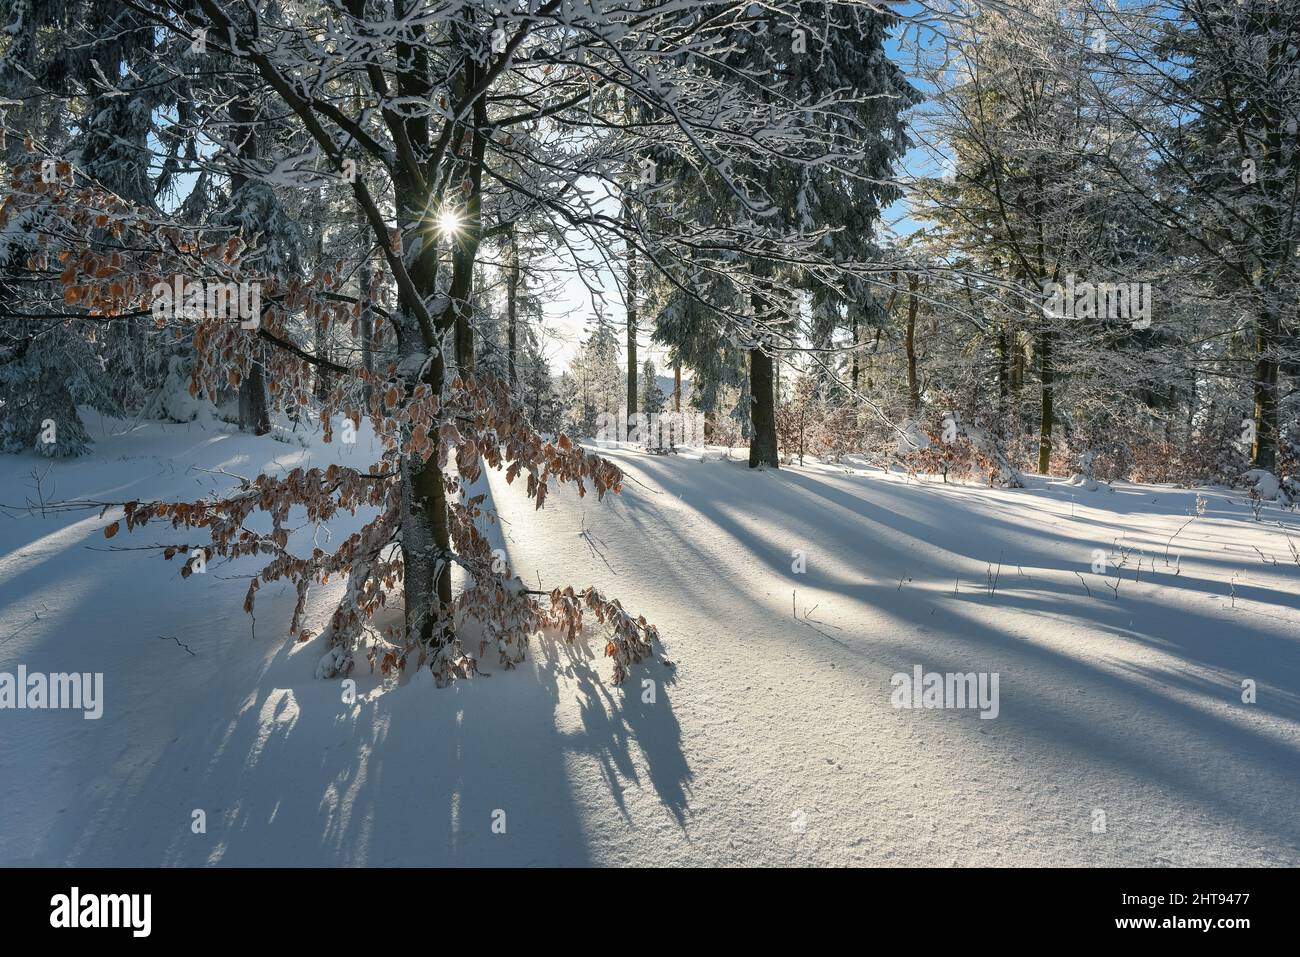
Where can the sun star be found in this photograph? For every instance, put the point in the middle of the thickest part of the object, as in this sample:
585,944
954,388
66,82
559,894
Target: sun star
448,223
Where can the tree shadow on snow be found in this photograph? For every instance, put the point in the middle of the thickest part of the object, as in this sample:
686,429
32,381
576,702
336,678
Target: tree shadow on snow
493,771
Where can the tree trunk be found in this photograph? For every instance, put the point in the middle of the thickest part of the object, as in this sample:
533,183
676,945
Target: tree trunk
677,387
1004,371
365,284
365,289
512,306
1263,453
465,243
1045,422
254,413
909,342
776,384
854,374
322,331
631,324
871,360
464,332
762,414
425,531
426,545
762,444
1017,366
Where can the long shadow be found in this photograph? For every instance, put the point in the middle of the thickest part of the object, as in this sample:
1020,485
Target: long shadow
1098,738
287,773
614,717
1239,648
1039,559
284,772
1236,651
294,776
1243,751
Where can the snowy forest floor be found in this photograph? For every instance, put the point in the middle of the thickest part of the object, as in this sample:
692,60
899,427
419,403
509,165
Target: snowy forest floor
772,738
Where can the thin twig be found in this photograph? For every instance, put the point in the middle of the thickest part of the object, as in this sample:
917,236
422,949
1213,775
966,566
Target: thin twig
1085,584
178,641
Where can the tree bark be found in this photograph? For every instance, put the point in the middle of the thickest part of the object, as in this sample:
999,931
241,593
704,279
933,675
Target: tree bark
425,530
365,289
465,243
254,413
512,314
854,374
762,444
1045,421
1017,366
1263,453
632,317
909,342
365,284
322,331
464,341
762,415
1004,371
776,384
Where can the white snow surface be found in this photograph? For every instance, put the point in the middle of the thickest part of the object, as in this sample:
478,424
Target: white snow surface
771,740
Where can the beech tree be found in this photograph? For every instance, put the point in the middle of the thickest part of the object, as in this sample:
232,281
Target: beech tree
445,124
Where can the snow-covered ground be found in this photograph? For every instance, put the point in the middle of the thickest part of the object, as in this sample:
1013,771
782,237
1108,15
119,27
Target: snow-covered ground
770,739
